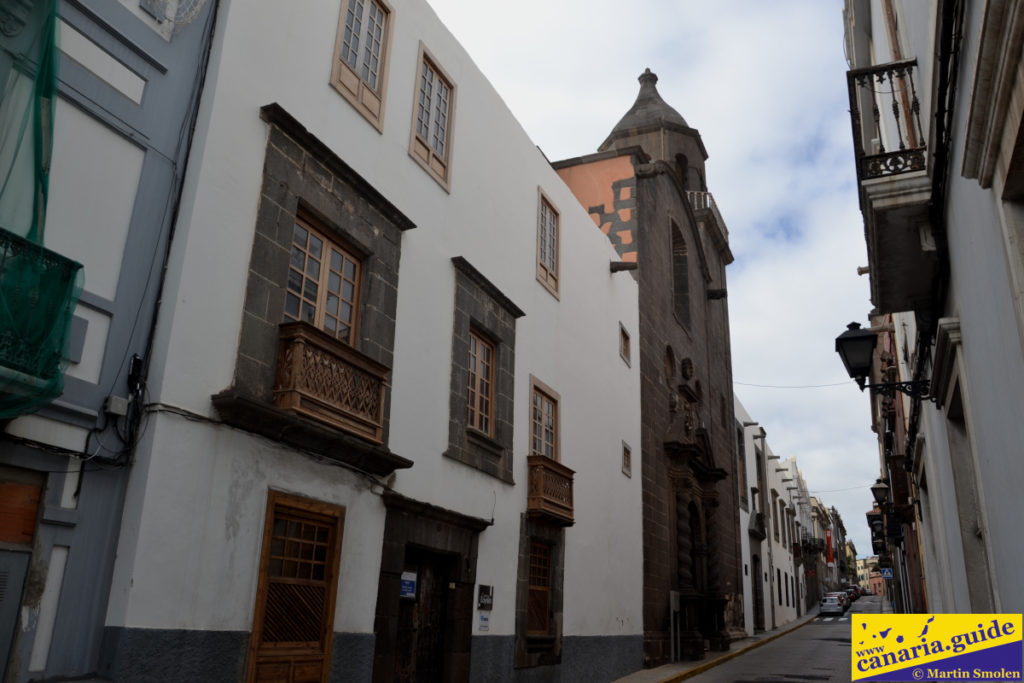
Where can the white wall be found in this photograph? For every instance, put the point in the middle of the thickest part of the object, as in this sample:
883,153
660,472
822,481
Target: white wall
190,559
750,464
267,52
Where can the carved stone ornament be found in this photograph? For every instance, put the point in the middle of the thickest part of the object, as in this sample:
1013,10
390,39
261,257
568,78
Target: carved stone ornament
690,418
14,15
686,367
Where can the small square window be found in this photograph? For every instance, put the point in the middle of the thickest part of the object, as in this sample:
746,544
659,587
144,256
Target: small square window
433,117
547,245
359,72
624,350
627,460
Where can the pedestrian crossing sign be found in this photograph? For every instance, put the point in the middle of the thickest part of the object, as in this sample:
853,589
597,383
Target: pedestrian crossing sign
886,572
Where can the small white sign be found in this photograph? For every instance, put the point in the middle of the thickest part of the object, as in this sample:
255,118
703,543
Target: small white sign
485,621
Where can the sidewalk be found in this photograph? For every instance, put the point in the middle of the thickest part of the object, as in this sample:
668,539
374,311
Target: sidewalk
678,671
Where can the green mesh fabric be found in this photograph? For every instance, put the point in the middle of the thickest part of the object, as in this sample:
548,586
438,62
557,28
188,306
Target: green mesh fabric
39,288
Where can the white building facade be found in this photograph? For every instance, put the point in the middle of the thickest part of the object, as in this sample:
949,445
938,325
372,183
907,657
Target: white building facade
943,228
393,400
774,582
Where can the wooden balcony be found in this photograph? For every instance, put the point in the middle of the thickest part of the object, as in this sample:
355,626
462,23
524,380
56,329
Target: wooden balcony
323,379
549,490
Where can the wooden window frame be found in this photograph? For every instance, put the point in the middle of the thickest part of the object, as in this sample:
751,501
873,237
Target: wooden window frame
624,346
317,512
534,589
323,279
474,416
437,165
348,81
548,269
546,393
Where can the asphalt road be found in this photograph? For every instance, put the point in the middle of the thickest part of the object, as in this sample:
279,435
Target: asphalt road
819,651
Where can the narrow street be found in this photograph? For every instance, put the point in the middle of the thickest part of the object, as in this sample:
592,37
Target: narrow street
819,651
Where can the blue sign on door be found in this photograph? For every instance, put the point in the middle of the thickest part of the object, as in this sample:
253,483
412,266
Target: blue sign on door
408,589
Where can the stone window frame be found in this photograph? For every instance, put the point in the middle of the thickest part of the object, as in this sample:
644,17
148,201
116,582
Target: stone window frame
548,270
481,308
539,649
302,175
350,84
437,165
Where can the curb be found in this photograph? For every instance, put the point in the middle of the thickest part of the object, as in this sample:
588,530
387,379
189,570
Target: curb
701,668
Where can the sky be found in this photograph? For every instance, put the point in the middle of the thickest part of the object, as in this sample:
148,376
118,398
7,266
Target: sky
765,85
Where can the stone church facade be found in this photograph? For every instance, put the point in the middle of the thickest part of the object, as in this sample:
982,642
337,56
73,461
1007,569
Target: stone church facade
646,190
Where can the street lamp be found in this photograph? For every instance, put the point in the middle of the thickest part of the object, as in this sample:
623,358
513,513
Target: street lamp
856,348
880,490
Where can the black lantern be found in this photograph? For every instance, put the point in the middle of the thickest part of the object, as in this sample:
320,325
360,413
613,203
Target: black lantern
880,490
856,348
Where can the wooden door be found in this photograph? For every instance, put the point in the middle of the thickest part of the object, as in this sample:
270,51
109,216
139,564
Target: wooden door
757,583
424,621
294,616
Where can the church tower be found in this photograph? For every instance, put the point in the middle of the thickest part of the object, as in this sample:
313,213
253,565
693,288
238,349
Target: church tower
646,190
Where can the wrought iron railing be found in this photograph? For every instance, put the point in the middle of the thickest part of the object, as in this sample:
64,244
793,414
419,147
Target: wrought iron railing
39,289
549,490
892,141
329,381
703,201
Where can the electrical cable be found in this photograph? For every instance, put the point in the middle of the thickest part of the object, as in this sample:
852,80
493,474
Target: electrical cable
852,488
792,386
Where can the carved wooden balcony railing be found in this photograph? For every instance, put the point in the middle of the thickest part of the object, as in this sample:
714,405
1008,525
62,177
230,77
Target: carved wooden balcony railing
549,490
326,380
888,92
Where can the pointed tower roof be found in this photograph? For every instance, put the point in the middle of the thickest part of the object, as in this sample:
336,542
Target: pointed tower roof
647,113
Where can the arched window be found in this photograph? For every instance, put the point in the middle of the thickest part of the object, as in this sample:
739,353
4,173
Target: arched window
680,276
682,168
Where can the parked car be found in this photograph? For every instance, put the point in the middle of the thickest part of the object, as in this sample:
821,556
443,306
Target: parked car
842,597
831,604
853,592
